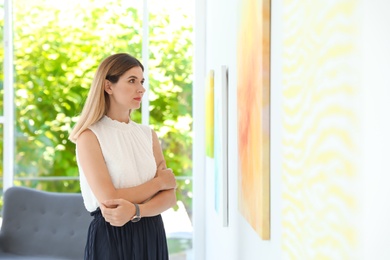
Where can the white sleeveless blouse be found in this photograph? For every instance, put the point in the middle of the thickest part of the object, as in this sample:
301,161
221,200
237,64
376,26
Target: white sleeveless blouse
128,153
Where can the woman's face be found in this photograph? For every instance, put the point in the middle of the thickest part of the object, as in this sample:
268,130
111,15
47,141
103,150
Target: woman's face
127,93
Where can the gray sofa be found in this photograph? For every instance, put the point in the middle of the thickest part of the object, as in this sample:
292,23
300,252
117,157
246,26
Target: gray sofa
43,225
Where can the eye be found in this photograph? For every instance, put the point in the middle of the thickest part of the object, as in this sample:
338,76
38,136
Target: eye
142,82
132,80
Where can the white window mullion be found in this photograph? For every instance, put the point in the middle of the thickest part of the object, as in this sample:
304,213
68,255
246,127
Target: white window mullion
199,164
8,100
145,62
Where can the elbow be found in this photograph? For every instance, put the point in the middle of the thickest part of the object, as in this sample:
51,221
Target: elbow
112,195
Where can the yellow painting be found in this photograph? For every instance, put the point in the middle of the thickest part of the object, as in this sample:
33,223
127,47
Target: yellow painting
210,114
253,101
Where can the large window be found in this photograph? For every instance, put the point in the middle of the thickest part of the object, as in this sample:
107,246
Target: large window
1,99
57,47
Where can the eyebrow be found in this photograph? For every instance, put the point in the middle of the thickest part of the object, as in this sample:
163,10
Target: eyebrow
134,77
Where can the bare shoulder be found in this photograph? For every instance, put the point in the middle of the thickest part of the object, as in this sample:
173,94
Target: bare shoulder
87,137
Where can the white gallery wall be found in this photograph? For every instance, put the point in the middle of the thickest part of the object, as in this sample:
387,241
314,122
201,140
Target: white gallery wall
330,132
375,101
238,240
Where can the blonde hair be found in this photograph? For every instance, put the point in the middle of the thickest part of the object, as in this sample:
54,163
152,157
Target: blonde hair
97,103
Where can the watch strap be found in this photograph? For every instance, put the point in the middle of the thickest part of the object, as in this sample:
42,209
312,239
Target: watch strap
137,215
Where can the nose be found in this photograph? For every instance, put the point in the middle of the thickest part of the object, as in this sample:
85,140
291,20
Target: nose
141,89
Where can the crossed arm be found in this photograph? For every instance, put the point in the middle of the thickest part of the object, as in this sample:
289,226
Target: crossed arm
154,196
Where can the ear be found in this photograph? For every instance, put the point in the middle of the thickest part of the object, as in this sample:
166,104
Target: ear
108,86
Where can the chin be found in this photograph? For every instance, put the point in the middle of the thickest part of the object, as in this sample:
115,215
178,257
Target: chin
135,107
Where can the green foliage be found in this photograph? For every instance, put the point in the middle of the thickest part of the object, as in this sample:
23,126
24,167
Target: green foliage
171,97
57,51
178,246
54,62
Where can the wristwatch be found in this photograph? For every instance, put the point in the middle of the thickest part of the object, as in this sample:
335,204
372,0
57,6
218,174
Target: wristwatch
137,216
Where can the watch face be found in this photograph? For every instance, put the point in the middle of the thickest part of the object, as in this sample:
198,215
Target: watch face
136,219
137,216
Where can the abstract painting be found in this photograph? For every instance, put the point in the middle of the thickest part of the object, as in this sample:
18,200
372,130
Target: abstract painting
210,114
253,106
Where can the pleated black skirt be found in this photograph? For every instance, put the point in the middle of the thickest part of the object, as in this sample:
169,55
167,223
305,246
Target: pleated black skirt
143,240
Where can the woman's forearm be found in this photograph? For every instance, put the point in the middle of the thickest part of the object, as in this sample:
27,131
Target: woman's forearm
159,203
119,211
141,193
164,180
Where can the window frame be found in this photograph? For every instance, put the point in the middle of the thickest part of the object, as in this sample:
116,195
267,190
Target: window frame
8,119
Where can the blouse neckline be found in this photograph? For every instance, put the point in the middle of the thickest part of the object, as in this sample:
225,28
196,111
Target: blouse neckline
115,123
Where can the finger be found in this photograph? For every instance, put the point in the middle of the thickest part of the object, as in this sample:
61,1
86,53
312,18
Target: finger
168,170
108,212
161,165
113,203
105,214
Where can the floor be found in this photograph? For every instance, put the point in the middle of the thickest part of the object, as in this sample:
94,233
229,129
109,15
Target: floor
179,256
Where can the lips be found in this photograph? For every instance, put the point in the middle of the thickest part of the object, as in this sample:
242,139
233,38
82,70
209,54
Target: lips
138,98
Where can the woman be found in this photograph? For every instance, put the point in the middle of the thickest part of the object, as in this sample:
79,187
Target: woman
123,176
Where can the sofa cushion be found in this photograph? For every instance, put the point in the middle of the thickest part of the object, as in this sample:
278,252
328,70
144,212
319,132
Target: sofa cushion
43,224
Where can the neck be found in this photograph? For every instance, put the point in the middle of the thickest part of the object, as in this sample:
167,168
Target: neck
123,117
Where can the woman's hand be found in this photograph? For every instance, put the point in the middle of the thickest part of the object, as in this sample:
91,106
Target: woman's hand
166,178
117,211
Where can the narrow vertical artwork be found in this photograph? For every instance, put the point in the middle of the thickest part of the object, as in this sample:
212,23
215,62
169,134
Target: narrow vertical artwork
221,148
210,114
253,101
